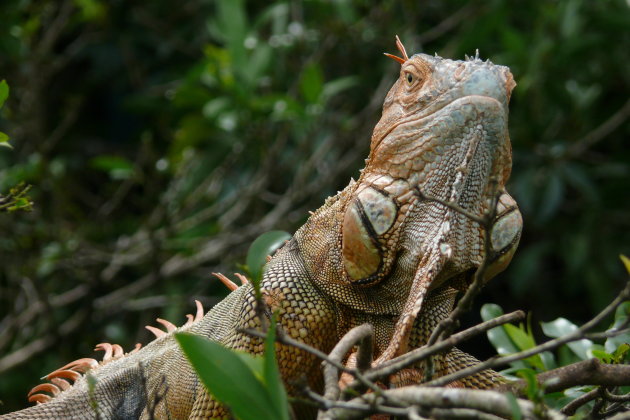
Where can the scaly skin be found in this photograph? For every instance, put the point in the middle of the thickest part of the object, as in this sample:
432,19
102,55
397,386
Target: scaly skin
378,252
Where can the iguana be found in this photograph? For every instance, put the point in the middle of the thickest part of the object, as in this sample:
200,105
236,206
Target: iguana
391,250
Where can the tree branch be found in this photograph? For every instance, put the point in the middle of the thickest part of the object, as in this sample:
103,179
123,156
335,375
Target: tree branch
483,401
586,372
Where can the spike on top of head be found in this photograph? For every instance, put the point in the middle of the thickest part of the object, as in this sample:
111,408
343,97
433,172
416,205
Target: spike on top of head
402,50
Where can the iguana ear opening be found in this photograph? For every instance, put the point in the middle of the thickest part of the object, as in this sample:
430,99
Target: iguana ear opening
504,236
366,222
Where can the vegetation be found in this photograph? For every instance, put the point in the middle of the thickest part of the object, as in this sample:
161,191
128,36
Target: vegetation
160,141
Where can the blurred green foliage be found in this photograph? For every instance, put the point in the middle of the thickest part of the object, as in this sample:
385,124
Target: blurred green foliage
161,139
4,94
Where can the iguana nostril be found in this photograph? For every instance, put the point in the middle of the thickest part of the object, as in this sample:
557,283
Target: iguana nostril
459,72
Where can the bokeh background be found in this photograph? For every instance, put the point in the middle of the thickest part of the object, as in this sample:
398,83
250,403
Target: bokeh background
162,137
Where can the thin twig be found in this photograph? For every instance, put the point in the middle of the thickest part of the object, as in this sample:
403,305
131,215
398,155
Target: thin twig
461,413
394,365
601,131
283,338
610,333
616,398
586,372
354,407
363,335
573,406
451,205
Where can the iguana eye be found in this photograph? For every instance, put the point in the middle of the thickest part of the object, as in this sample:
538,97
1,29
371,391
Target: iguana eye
409,78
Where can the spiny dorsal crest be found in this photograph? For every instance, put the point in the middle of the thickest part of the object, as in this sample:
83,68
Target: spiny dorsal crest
63,378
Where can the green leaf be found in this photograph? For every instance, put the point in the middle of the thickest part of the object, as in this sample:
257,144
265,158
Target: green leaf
117,167
4,92
337,86
561,327
263,246
621,315
272,373
497,335
490,311
228,378
21,203
516,409
533,388
232,24
524,341
255,364
548,359
603,356
626,262
519,337
259,62
312,83
621,353
4,141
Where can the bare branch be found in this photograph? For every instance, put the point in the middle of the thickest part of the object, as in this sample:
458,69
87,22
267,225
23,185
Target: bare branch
362,335
451,205
392,366
586,372
573,406
601,131
614,397
491,402
283,338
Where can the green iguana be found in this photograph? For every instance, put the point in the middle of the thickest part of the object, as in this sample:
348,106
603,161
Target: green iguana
379,252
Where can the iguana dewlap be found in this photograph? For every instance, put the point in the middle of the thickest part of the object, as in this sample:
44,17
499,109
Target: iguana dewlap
380,252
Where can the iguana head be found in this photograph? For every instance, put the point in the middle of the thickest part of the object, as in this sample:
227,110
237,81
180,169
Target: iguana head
443,133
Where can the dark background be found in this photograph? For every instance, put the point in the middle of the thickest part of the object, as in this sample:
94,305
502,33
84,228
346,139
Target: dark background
162,137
